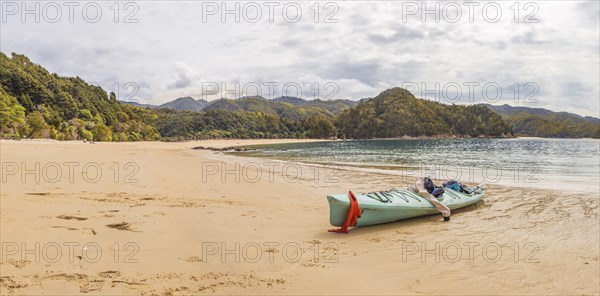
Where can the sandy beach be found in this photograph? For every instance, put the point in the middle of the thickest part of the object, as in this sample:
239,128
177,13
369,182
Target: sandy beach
156,218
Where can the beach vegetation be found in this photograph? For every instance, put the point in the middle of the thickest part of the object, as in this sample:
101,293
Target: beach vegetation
35,103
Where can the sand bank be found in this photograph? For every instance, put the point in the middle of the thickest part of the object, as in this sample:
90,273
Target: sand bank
161,218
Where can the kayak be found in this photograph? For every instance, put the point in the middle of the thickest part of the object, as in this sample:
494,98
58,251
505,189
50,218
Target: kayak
396,204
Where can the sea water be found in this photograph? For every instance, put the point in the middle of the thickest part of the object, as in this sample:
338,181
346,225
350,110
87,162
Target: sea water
571,164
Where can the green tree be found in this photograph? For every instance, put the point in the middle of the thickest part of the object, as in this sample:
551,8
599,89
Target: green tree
85,134
319,126
38,127
11,113
85,114
52,133
102,132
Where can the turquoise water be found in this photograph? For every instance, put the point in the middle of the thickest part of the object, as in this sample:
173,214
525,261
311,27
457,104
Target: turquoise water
528,162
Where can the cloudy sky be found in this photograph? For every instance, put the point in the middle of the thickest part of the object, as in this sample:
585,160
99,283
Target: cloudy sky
542,54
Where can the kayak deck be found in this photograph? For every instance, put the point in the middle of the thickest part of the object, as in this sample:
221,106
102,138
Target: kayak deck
394,205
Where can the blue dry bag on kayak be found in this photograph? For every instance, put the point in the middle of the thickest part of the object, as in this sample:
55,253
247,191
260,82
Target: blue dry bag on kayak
431,188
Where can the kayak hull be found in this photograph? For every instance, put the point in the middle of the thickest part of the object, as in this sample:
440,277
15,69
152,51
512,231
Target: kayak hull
403,204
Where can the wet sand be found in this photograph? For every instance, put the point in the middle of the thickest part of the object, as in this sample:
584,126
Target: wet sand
157,218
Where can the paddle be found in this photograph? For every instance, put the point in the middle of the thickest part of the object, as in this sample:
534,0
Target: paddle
420,189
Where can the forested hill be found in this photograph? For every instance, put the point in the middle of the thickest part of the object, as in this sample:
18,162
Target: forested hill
37,104
396,113
539,122
334,106
260,104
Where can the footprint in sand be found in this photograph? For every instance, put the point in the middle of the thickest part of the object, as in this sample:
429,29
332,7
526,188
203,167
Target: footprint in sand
18,263
311,263
90,286
120,226
67,277
110,274
155,214
86,284
65,227
193,259
128,283
67,217
271,250
11,284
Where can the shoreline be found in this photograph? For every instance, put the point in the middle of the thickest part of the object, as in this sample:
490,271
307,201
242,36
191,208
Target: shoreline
209,143
390,171
226,142
231,148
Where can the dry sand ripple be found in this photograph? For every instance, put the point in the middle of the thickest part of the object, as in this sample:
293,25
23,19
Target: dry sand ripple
174,232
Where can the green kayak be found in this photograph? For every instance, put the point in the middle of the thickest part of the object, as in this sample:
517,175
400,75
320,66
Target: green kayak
396,204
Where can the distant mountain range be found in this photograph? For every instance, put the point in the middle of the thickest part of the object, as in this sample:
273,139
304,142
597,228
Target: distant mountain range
507,110
288,107
181,104
540,122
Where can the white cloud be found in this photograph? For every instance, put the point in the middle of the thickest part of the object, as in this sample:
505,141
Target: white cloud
171,52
